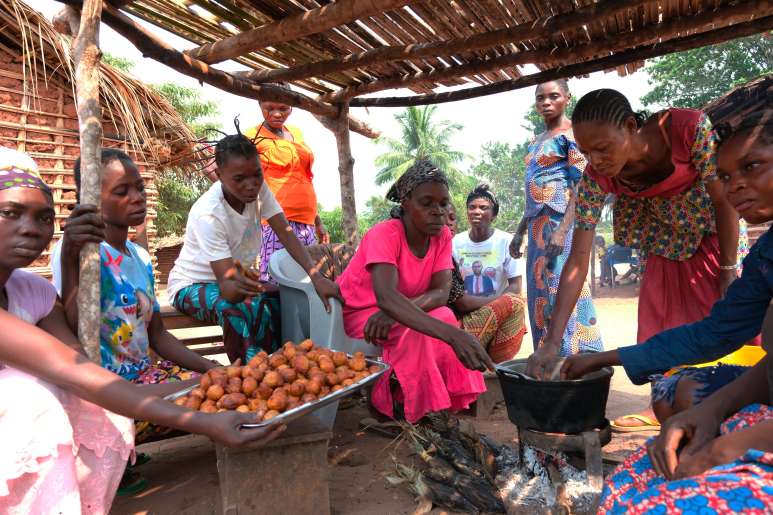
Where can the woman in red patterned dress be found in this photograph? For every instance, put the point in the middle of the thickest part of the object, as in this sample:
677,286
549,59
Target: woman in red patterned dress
669,205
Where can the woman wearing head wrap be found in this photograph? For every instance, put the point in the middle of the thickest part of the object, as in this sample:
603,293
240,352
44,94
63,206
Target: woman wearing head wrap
489,301
669,206
59,452
396,288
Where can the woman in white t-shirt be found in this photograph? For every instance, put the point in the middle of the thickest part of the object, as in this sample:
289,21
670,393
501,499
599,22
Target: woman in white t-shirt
213,278
486,291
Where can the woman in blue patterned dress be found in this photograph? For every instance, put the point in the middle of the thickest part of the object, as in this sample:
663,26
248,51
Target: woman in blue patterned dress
554,166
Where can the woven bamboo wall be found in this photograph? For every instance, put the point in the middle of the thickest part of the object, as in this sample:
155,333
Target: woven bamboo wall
43,122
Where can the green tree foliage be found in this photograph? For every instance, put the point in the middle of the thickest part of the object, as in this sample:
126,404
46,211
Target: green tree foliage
695,77
119,63
422,137
195,111
502,166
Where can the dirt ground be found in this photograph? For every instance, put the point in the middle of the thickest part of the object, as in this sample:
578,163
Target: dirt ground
183,475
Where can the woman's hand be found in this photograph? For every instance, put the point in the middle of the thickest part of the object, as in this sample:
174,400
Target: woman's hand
322,235
578,365
691,429
543,360
326,289
726,278
470,352
244,283
84,225
377,327
225,428
555,245
515,246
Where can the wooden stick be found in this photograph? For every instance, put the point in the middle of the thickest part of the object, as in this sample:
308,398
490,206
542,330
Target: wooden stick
544,27
743,11
605,63
86,55
155,48
293,27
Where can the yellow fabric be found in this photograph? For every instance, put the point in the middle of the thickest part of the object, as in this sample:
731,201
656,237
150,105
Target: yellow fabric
747,356
287,171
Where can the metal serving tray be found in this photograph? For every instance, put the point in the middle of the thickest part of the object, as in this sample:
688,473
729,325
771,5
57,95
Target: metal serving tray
298,412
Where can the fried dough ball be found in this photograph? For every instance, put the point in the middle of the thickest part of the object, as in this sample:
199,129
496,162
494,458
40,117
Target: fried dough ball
234,385
297,388
336,388
332,379
208,406
271,414
257,404
277,401
232,401
358,364
289,351
306,345
339,358
249,385
273,379
288,374
308,397
313,355
198,393
301,364
347,382
314,386
215,392
205,382
326,365
373,369
264,391
276,360
180,401
243,409
233,371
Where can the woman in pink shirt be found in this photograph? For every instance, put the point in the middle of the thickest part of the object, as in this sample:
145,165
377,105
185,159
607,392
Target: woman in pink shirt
396,288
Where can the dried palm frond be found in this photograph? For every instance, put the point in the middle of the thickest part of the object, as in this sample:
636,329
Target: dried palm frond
139,115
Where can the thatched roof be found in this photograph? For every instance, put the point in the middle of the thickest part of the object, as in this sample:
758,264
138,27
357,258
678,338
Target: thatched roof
736,104
343,49
137,113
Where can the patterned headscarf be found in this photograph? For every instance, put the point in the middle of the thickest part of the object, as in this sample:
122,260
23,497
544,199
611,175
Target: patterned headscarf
421,172
18,170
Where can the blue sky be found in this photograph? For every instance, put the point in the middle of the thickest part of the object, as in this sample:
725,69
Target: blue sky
495,117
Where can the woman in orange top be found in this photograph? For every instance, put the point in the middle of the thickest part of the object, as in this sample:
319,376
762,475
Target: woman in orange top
286,161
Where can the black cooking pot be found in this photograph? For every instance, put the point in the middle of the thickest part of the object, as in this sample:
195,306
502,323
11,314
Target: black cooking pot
554,406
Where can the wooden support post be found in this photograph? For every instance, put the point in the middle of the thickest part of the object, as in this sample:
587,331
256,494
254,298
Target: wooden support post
346,175
87,55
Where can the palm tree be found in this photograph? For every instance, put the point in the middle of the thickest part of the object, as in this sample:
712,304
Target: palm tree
422,138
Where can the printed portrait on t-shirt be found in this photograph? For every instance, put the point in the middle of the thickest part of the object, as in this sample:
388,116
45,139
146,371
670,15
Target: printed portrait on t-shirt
486,266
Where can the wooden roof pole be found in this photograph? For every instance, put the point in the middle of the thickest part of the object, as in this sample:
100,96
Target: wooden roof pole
151,46
339,126
743,11
86,54
296,26
605,63
544,27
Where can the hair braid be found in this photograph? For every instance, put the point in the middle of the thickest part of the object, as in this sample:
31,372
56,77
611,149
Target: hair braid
608,106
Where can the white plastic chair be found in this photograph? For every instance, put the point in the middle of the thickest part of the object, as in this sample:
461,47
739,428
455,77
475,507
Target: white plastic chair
304,315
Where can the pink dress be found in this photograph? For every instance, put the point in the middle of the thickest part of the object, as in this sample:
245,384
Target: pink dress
431,377
59,453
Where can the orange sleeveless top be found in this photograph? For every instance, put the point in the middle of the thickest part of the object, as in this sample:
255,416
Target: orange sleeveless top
287,171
